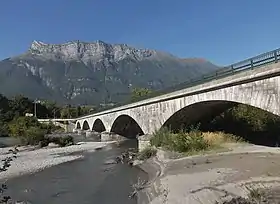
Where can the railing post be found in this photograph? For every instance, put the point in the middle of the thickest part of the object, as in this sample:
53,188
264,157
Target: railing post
252,63
275,56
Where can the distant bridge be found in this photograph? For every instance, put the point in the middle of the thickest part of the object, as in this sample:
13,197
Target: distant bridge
254,81
61,123
57,120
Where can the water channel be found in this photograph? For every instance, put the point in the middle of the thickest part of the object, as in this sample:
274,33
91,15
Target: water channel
85,181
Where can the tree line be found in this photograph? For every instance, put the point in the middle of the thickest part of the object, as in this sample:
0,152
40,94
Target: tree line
19,106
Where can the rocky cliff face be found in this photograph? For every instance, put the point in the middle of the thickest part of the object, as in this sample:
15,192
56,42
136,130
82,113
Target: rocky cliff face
91,73
89,52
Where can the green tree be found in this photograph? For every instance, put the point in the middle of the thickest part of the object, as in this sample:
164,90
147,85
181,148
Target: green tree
4,103
27,129
79,111
86,110
21,105
4,129
138,93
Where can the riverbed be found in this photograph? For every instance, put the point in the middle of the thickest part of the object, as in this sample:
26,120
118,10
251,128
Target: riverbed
91,178
216,177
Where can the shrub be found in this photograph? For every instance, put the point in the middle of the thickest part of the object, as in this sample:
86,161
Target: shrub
62,141
28,130
65,141
161,137
32,136
216,138
43,143
191,141
4,129
50,128
147,153
188,142
180,142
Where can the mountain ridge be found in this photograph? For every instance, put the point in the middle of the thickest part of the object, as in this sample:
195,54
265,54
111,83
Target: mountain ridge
80,72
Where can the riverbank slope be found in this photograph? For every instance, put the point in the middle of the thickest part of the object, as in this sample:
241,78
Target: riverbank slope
211,178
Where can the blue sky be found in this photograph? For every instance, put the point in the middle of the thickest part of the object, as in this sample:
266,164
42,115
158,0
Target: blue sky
222,31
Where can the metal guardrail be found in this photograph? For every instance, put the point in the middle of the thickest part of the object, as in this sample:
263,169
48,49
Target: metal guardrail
251,63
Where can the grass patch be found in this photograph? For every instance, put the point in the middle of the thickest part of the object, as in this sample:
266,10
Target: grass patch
147,153
193,141
255,196
218,138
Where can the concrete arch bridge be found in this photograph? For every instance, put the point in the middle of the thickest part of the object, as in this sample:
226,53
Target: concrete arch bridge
255,82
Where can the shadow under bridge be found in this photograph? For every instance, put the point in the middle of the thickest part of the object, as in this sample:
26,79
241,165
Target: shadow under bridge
126,126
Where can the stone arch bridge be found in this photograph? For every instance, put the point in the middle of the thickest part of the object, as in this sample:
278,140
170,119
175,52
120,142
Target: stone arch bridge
254,82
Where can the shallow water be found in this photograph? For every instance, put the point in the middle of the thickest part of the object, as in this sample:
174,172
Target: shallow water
8,141
86,181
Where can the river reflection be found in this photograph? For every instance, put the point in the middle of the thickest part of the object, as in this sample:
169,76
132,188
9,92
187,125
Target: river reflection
86,181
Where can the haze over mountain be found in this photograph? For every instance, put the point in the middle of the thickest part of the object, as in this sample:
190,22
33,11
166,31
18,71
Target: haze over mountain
88,73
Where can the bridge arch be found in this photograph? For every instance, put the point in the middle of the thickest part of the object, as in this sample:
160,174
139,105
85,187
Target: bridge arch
200,112
78,125
205,112
126,126
98,126
85,125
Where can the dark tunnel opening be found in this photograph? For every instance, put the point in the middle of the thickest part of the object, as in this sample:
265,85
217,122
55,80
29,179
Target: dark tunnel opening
78,125
85,125
254,125
126,126
98,126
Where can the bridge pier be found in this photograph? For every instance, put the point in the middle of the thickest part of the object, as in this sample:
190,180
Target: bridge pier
96,136
111,136
144,141
80,132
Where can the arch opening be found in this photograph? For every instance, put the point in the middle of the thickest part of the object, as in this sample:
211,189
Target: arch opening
98,126
126,126
201,112
253,124
78,126
85,125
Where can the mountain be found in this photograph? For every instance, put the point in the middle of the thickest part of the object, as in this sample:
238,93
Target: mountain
89,73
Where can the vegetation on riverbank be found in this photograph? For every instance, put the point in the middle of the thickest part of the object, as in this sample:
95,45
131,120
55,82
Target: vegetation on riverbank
28,130
252,124
239,123
147,153
257,196
19,106
191,141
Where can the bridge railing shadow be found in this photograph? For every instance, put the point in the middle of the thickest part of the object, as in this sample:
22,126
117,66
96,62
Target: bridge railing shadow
251,63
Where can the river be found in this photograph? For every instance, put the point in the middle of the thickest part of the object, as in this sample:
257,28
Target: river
85,181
